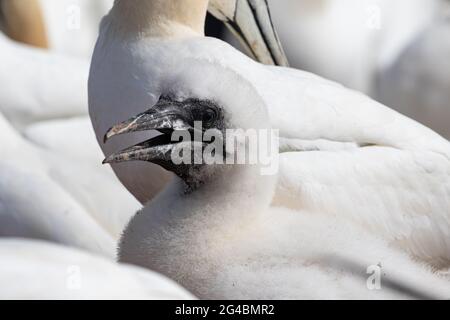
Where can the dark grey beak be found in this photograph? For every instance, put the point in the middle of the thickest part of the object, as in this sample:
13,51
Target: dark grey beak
251,23
156,150
166,116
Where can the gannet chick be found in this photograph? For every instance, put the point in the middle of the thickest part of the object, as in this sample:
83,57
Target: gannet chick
214,231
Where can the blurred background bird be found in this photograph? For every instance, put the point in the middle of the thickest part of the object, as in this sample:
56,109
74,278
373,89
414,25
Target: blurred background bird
394,51
23,21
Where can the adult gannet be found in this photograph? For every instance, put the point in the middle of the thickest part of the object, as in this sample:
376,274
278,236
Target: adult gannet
39,270
213,229
345,155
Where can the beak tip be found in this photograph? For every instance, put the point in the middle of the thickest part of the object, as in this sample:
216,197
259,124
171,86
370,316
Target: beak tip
108,160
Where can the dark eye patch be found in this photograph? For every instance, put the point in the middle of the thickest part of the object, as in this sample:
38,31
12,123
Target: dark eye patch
206,111
206,115
209,115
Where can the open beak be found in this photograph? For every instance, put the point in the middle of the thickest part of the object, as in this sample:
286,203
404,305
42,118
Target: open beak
165,117
251,22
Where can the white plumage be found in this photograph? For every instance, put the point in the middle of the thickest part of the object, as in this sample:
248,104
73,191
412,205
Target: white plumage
44,195
35,85
72,274
59,151
73,137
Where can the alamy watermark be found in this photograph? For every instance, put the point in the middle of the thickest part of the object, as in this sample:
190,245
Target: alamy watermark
374,280
233,146
73,21
73,279
373,17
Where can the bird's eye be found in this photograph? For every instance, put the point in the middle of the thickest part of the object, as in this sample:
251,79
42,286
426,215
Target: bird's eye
206,115
209,115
